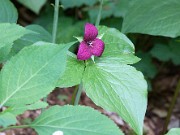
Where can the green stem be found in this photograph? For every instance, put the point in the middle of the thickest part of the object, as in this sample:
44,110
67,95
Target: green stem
74,94
55,22
99,14
177,90
45,100
78,95
54,32
13,127
1,106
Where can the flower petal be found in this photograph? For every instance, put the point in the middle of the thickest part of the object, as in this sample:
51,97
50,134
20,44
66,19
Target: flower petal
90,32
83,51
97,47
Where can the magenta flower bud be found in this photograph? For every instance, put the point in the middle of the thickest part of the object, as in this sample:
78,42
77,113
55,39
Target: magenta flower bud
91,45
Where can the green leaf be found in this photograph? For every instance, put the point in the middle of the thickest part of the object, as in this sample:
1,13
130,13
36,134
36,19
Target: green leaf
115,41
112,84
39,34
146,65
121,58
11,32
34,5
74,120
121,8
73,73
116,8
153,17
161,52
22,108
107,11
112,38
117,46
175,53
42,33
66,32
167,52
7,119
4,52
45,18
113,22
32,73
118,88
174,131
77,3
8,12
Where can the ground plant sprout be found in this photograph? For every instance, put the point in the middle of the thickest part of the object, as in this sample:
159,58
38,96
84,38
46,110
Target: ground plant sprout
99,61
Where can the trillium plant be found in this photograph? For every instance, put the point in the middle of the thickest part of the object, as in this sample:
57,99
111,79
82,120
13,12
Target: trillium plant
91,45
33,65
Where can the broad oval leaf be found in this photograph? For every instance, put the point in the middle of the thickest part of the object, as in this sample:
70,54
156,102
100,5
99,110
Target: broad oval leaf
4,52
74,120
175,53
115,41
121,58
73,73
121,8
32,73
34,5
118,88
146,65
8,12
159,50
116,8
171,50
7,119
174,131
77,3
39,34
108,10
160,19
20,109
117,46
11,32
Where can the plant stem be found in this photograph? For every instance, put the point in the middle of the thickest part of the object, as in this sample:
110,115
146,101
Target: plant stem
78,95
99,14
55,22
13,127
78,90
1,106
54,32
74,94
177,90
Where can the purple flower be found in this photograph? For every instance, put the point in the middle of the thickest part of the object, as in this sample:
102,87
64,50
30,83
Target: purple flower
91,45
